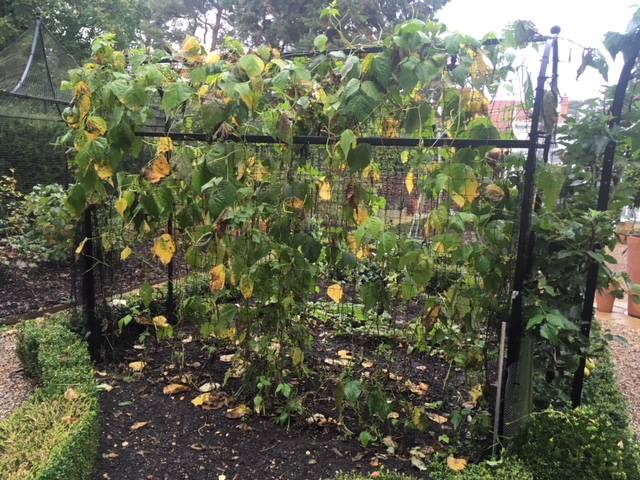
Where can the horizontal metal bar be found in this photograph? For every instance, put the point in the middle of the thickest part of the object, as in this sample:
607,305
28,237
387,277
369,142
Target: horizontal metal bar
33,97
324,140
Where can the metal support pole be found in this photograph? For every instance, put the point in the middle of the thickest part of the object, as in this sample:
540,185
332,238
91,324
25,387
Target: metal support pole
603,204
89,286
514,378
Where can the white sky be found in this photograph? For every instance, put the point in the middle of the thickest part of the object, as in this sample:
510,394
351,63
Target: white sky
582,21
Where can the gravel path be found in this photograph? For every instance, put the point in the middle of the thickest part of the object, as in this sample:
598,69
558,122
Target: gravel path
15,387
627,364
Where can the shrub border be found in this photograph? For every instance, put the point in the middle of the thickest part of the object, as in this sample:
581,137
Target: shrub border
58,359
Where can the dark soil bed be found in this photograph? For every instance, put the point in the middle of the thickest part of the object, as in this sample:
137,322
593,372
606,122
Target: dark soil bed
30,291
183,441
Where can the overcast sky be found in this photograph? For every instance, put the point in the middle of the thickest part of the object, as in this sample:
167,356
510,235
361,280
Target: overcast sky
582,21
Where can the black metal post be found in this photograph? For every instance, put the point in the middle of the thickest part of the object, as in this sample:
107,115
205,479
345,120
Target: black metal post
89,286
524,246
603,204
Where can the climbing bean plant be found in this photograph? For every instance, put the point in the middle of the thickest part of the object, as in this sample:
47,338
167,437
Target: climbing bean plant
245,216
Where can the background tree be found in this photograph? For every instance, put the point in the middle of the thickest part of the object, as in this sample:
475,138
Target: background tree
74,22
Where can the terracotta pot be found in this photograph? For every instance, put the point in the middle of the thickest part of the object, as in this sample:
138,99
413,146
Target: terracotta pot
605,300
633,269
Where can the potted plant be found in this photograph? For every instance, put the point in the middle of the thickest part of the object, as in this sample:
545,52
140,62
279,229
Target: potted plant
606,297
632,182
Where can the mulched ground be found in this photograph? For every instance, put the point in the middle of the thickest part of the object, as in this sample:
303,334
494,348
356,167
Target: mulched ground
30,292
15,387
181,441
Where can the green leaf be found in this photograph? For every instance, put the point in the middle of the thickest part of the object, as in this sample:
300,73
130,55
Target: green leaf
347,141
252,65
359,157
76,199
320,42
146,294
352,391
366,438
175,95
550,181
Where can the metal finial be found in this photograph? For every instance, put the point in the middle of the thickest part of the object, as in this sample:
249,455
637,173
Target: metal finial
555,30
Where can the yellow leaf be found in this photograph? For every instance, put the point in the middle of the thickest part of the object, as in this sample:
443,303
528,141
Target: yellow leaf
95,127
174,388
81,245
325,190
360,214
160,321
137,366
121,206
367,364
439,247
71,394
158,169
476,393
138,425
125,253
494,192
246,286
84,105
335,293
238,412
211,58
217,278
456,464
201,399
105,387
104,172
164,248
203,90
190,46
409,181
165,144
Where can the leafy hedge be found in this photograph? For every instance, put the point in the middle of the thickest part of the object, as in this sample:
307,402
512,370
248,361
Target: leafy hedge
54,435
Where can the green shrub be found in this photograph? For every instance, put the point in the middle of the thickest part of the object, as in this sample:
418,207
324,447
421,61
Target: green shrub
52,436
509,469
580,443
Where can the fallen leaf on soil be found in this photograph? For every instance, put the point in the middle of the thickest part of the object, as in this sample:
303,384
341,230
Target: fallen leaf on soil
367,364
393,415
434,417
456,464
419,389
320,420
138,425
395,376
198,447
110,455
137,366
201,399
345,354
336,361
104,387
208,387
237,412
375,462
101,373
174,388
71,394
227,358
390,443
